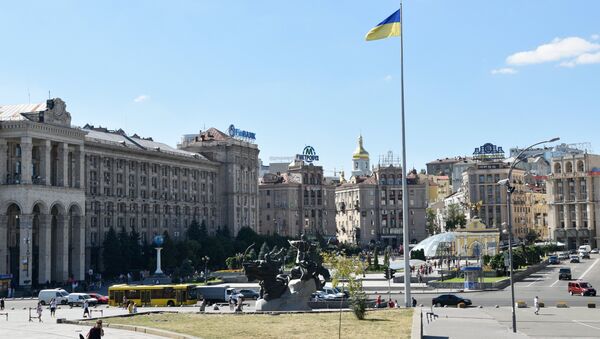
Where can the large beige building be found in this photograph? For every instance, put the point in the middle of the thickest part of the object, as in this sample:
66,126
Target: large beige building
573,192
63,187
300,200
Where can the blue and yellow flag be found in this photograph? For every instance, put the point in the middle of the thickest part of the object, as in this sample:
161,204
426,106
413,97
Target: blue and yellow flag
385,29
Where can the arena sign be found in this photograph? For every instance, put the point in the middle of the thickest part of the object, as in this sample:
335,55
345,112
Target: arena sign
488,152
308,154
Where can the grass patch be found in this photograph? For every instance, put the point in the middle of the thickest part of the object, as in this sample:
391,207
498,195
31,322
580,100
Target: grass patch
380,324
485,280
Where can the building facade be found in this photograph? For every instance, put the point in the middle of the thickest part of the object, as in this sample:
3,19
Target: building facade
369,209
63,187
573,192
300,200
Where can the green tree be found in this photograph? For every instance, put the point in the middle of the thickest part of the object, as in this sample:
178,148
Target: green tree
386,256
376,258
431,222
417,254
264,249
194,232
135,250
455,217
112,254
349,269
168,253
126,250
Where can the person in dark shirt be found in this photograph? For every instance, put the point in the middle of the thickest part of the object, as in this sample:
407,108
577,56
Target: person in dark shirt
96,332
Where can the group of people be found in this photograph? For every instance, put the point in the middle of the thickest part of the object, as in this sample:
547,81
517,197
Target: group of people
129,305
379,303
236,302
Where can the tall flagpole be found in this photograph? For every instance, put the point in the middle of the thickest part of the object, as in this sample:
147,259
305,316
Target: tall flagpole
407,275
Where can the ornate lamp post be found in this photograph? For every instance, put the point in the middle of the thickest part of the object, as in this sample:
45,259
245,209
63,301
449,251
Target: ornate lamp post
205,259
158,242
509,190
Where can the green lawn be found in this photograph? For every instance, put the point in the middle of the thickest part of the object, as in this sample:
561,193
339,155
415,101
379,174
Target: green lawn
394,323
486,279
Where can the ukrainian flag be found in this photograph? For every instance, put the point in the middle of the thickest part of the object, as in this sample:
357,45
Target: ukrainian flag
385,29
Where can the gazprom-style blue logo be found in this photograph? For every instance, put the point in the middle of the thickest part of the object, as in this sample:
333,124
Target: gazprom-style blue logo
308,154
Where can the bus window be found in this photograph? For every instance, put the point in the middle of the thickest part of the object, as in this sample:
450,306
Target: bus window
133,294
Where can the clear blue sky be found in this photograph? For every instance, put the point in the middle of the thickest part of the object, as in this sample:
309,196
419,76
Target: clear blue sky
300,73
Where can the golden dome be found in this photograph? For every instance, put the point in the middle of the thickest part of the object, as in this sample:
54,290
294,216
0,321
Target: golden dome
360,152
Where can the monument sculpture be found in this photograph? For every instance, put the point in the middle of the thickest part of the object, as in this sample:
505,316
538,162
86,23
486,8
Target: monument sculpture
283,292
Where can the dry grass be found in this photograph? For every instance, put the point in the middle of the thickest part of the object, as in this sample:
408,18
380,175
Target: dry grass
378,324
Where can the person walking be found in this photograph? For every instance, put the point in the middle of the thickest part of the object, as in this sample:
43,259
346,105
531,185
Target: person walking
96,332
86,309
39,311
125,303
378,302
414,302
53,308
2,304
536,304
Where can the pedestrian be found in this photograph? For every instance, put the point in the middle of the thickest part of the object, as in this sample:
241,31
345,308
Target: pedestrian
53,307
378,302
96,332
39,311
240,303
2,304
231,302
134,308
414,302
391,304
86,309
396,302
130,307
536,304
125,302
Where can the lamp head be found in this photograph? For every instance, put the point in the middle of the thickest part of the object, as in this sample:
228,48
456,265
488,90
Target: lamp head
554,139
504,182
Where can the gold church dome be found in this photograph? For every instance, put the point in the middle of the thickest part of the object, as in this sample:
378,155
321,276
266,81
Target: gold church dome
360,152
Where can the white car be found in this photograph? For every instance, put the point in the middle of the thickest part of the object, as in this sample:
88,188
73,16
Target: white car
594,251
77,299
58,294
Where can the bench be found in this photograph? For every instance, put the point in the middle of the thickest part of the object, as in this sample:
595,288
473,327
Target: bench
4,314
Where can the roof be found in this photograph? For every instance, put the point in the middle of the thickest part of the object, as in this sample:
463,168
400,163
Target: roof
360,152
214,134
120,139
13,112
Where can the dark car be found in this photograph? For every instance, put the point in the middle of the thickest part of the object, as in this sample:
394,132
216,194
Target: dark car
564,273
450,300
553,260
249,294
102,299
574,259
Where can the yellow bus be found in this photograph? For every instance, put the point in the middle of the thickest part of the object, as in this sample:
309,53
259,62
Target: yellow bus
153,295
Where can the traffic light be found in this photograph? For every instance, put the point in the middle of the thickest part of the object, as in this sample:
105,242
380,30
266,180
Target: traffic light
389,273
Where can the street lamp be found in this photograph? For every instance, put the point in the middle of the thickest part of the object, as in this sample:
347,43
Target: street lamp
509,190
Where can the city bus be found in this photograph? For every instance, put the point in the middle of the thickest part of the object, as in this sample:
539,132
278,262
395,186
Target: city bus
153,295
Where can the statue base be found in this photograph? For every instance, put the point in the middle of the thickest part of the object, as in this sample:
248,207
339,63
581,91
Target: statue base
295,298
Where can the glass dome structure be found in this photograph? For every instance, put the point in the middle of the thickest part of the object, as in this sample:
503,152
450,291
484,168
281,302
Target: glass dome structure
431,244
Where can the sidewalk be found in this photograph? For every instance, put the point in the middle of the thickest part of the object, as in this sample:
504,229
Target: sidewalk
471,323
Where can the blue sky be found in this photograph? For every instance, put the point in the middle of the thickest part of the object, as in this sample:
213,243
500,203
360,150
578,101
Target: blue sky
299,73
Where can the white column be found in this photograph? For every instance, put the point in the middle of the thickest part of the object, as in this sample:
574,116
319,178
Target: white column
3,158
158,269
78,260
26,164
25,248
79,170
45,161
45,249
3,244
62,252
63,165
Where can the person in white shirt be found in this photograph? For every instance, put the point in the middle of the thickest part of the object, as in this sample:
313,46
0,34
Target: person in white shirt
536,304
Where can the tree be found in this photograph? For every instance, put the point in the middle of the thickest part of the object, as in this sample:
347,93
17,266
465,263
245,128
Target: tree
264,249
376,258
135,250
386,256
194,232
417,254
455,217
348,269
531,236
126,250
431,222
112,254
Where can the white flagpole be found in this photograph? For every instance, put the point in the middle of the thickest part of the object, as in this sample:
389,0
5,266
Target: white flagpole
405,242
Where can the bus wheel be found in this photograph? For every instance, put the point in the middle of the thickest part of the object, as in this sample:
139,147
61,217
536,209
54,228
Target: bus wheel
170,303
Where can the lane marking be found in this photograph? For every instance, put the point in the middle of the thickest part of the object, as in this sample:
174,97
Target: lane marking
589,268
554,283
533,282
580,323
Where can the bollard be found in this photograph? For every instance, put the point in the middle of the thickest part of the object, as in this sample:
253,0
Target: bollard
542,304
591,305
521,304
562,304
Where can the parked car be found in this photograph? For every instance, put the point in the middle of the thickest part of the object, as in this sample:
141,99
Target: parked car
564,273
77,299
322,296
56,293
553,260
450,300
249,294
594,251
102,299
582,288
336,292
574,259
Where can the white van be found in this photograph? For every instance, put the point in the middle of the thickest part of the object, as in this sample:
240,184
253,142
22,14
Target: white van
56,293
585,248
77,299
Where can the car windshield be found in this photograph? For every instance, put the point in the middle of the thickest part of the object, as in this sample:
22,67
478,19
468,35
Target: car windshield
565,270
64,294
585,285
86,296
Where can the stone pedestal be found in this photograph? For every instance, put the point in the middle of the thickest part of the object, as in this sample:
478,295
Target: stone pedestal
295,298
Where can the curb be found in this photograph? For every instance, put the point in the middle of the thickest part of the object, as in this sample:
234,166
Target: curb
416,331
139,329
